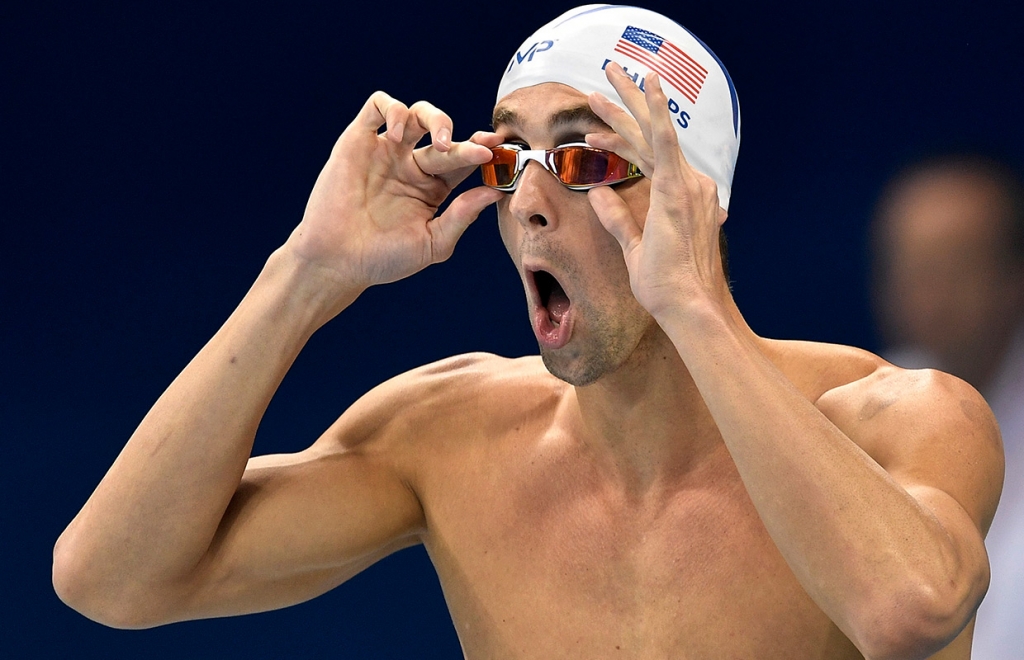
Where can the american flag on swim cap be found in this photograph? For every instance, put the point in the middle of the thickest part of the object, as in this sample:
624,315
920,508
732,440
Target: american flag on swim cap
576,48
661,55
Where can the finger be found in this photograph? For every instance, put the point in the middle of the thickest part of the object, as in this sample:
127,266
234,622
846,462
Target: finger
669,156
667,152
621,121
460,156
624,125
486,138
426,118
618,144
631,96
447,228
616,217
381,109
372,114
666,147
464,157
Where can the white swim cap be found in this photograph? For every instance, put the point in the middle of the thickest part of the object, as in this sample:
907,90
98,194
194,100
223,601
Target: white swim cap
574,49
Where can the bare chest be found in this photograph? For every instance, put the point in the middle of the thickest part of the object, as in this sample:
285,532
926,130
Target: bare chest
537,561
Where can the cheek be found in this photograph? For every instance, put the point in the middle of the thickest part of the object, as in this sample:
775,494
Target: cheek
607,254
508,229
638,198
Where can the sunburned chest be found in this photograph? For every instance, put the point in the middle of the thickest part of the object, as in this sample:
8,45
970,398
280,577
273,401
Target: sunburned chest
539,559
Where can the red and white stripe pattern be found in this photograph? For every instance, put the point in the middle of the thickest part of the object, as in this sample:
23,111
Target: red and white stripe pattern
668,60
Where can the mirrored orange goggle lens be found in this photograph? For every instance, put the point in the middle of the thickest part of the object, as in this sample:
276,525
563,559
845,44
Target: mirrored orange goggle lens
501,170
582,166
576,166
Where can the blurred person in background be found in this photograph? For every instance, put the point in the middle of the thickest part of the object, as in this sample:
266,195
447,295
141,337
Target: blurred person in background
948,242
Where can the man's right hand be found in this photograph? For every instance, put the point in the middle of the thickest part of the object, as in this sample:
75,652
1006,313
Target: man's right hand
182,525
370,218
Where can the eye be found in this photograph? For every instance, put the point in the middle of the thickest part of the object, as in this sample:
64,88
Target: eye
512,141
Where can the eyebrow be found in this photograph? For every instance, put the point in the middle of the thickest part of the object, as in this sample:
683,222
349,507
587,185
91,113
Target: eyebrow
574,116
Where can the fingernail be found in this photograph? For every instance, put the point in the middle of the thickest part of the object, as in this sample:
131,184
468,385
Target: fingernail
444,136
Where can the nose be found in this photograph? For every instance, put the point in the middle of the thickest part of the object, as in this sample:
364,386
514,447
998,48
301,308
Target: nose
531,202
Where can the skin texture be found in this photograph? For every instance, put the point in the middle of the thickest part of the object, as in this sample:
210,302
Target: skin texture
687,489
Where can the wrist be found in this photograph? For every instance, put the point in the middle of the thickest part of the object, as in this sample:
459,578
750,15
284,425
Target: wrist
702,323
690,314
680,299
312,293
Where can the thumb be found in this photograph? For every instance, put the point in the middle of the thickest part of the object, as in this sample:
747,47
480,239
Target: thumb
447,228
616,217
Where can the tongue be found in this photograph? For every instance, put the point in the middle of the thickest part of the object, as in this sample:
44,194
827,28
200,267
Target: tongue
558,303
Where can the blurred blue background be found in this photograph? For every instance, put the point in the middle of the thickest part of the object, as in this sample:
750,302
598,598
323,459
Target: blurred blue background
154,154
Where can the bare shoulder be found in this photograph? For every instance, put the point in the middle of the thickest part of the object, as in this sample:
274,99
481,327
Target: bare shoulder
923,426
444,398
889,410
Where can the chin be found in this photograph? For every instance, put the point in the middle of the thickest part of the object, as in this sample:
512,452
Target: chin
577,372
609,351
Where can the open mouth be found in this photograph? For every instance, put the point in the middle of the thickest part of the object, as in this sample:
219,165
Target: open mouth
552,296
552,311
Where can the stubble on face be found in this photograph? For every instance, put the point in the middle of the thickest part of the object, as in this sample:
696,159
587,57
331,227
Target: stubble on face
609,323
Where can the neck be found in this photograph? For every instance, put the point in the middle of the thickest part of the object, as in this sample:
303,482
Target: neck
646,424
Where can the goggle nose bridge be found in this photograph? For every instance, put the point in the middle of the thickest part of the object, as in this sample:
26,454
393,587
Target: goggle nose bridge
543,156
547,160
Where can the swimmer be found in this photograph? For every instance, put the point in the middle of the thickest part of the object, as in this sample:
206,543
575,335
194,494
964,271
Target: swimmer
660,482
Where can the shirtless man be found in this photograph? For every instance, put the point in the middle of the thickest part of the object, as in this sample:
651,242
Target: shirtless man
660,483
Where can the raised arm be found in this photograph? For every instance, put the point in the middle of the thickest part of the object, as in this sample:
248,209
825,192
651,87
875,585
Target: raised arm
184,524
877,495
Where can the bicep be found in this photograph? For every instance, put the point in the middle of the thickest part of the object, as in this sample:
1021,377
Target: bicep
301,524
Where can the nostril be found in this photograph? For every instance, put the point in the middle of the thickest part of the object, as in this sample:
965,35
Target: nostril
539,220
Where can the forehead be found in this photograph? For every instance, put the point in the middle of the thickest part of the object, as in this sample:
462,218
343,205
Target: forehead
545,108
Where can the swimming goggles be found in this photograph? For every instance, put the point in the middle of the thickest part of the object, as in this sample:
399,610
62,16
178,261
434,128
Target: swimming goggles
577,165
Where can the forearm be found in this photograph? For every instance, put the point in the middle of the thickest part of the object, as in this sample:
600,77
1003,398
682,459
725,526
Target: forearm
370,219
857,541
154,514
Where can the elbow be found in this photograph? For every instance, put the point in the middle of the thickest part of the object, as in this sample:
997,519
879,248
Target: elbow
916,622
79,589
